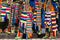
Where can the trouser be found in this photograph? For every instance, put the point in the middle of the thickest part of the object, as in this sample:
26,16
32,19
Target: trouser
23,26
43,31
58,27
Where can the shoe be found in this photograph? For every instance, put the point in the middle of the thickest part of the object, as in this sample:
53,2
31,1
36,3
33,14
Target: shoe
45,37
39,33
51,37
16,38
8,33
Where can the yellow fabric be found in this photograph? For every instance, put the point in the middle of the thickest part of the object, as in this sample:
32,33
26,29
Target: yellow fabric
35,13
44,5
29,35
52,8
0,1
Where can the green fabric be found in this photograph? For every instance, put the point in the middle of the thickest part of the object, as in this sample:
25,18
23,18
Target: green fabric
48,30
55,0
22,21
8,16
5,4
15,31
0,19
3,15
21,30
51,37
16,38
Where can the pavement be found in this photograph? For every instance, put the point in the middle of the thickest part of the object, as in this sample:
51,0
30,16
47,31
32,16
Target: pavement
58,35
6,36
12,36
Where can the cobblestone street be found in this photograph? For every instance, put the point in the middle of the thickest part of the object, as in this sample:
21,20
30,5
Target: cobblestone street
12,36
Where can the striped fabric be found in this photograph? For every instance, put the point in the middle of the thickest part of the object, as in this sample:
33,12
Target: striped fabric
23,17
5,11
26,20
3,14
16,9
29,23
23,20
54,25
48,18
38,19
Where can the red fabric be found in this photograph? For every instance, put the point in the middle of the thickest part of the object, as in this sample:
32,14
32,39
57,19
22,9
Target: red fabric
37,3
17,20
9,29
19,34
24,16
54,33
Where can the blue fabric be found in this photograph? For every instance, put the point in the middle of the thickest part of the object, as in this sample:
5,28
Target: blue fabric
13,21
55,4
23,19
23,27
55,0
24,13
37,29
32,3
33,26
43,18
42,1
5,18
5,5
43,31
